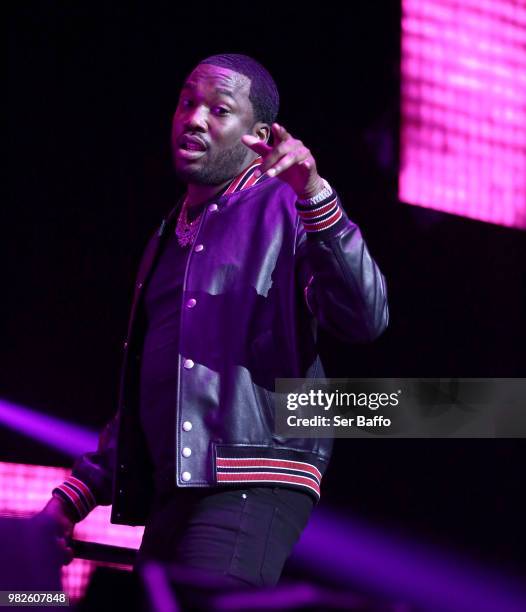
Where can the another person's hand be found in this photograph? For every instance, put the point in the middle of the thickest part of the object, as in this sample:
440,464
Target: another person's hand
290,159
58,513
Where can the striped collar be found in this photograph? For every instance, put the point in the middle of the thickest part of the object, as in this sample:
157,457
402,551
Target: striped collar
245,179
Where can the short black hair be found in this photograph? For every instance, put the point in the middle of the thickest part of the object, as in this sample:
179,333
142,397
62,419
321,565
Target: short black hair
264,94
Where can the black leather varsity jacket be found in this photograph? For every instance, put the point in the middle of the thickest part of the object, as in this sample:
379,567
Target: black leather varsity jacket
263,273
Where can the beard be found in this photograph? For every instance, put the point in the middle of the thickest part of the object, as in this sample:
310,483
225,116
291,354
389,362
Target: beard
217,167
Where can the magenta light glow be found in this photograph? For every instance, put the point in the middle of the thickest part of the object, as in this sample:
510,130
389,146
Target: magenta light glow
68,438
25,490
351,552
463,133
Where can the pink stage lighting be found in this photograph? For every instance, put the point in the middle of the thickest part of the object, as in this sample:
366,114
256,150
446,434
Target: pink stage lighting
24,491
463,135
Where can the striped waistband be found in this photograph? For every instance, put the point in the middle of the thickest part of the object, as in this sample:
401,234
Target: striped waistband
251,467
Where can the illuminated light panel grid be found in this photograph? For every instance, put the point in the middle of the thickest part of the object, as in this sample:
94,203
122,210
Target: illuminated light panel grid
463,136
25,490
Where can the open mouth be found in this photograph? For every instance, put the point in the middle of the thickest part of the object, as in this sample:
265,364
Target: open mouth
190,153
192,143
191,147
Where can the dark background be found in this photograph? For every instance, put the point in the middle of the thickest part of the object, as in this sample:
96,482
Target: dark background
91,91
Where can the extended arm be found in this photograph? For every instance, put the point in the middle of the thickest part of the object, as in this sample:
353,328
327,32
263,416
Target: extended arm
342,284
343,287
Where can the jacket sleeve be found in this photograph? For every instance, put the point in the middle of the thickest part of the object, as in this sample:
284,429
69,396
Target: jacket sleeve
342,285
91,480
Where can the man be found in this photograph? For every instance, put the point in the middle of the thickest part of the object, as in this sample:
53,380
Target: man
229,295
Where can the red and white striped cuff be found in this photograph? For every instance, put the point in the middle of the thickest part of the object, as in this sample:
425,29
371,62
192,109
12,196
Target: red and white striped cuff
322,212
265,470
77,494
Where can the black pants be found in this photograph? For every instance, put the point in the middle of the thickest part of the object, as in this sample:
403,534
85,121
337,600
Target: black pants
240,535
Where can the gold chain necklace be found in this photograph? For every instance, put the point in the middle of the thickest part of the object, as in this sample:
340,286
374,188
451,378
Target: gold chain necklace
186,230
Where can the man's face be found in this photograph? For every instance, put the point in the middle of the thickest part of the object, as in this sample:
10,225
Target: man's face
212,114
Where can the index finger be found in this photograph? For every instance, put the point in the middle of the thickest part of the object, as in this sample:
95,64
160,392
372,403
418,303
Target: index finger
279,132
258,146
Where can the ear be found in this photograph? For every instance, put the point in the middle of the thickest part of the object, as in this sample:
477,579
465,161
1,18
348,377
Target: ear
262,131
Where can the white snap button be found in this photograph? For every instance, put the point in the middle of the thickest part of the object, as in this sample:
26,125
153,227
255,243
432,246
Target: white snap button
187,426
191,303
212,207
187,451
188,364
244,495
186,476
198,247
